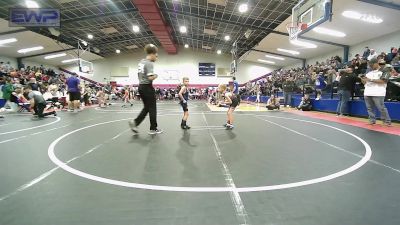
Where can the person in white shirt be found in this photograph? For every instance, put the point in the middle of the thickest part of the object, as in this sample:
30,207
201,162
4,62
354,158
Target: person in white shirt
372,55
374,93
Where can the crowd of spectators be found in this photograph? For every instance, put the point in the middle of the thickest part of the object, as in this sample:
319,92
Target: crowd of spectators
319,77
312,80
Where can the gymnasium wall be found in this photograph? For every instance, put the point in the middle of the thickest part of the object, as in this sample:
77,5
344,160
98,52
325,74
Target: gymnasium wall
322,58
13,61
27,62
380,44
177,66
297,65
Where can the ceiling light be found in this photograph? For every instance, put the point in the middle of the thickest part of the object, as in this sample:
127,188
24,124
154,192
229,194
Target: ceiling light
219,52
288,51
274,57
183,29
243,8
96,50
31,4
55,56
330,32
135,28
90,36
364,17
118,51
69,60
25,50
303,44
371,19
84,43
227,38
9,40
266,61
352,15
186,46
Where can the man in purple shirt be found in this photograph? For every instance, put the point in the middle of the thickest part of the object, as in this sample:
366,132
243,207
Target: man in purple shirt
74,93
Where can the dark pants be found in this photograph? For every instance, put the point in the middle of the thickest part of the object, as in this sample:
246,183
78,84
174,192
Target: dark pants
39,108
305,107
272,107
288,98
344,97
148,96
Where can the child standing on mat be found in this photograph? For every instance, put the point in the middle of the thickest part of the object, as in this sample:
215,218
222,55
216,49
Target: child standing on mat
232,101
184,97
146,91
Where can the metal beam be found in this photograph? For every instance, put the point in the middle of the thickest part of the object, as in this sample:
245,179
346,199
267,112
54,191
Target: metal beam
120,41
382,4
264,30
46,53
221,44
14,31
312,39
98,16
241,25
272,53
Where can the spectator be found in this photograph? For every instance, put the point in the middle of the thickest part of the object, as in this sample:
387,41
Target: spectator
273,103
389,57
3,70
374,93
74,93
33,84
366,53
396,59
320,85
235,86
347,81
37,102
8,90
372,55
288,88
305,104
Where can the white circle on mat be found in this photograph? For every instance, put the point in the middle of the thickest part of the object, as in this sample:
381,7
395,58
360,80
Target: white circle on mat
32,128
63,165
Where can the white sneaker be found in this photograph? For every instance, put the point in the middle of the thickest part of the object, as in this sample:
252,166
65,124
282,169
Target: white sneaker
156,131
70,110
133,127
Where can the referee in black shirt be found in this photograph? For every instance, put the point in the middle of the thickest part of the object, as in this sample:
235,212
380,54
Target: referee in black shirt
146,90
345,89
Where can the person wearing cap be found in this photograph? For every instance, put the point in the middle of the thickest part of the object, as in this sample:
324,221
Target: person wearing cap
375,92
